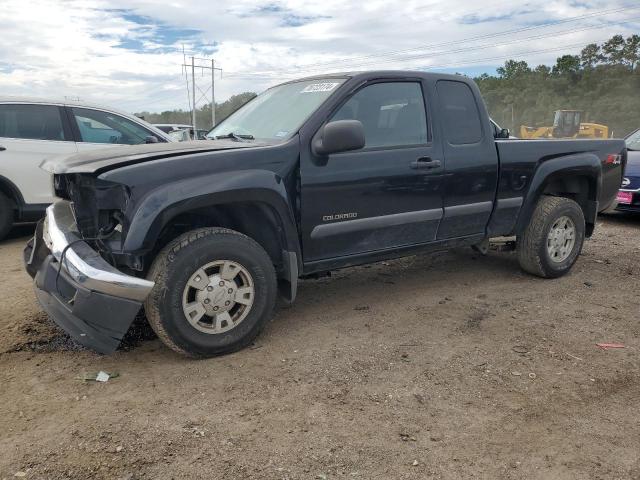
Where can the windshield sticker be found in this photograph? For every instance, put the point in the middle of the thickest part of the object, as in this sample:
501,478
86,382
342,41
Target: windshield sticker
282,133
320,87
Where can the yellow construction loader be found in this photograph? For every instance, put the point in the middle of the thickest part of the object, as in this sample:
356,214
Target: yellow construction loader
566,124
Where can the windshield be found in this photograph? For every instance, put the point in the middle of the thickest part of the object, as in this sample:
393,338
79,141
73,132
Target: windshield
277,113
633,141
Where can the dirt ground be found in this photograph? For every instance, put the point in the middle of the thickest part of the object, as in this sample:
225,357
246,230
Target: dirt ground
446,366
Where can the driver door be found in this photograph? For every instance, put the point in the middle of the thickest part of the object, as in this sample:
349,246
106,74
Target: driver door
383,196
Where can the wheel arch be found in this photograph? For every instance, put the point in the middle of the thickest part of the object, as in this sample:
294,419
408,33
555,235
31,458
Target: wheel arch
11,191
262,212
576,176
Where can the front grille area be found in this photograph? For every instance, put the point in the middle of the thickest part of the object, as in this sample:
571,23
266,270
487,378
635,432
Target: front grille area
60,186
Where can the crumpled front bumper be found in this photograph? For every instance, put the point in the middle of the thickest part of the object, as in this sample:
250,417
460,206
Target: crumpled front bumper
87,297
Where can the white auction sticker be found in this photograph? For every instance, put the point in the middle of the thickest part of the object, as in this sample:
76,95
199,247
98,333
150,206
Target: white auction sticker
320,87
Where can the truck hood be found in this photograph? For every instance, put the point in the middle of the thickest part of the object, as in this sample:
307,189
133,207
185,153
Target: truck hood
98,161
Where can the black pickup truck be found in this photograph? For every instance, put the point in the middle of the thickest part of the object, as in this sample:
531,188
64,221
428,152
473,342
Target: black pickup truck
312,175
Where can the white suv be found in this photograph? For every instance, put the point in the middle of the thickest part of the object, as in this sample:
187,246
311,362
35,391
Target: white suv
32,130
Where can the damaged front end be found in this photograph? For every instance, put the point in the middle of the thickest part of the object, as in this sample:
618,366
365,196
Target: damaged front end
82,291
100,211
98,205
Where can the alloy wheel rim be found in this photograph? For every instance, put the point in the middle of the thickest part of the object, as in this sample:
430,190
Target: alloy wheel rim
561,239
218,297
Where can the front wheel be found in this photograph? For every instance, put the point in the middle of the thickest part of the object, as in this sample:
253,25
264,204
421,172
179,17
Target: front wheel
551,243
214,291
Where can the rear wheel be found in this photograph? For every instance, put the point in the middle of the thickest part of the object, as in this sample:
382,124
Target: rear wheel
552,241
6,215
214,292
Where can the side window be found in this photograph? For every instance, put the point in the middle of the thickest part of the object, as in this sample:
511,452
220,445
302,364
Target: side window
96,126
392,114
32,122
460,115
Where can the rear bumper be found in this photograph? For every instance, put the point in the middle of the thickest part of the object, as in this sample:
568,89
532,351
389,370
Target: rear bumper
87,297
634,206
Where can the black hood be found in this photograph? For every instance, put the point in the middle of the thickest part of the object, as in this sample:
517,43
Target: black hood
104,159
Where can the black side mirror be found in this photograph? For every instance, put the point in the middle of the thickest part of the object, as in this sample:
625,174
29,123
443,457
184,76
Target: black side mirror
150,139
504,133
338,136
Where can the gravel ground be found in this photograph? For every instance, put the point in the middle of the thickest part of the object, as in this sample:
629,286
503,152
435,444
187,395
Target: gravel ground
445,366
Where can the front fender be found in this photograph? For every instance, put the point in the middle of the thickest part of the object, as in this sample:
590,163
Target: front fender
577,165
164,203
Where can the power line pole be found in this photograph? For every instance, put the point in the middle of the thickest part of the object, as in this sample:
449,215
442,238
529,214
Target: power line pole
186,77
213,93
193,90
209,92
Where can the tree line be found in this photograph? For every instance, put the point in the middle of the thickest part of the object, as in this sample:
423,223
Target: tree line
603,81
203,115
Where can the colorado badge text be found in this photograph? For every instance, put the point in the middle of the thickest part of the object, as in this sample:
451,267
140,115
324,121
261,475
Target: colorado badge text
339,216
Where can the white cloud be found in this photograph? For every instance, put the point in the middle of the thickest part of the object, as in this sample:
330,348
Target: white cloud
127,53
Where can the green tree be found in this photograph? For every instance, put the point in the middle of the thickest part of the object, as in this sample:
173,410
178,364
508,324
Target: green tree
542,71
613,49
591,56
203,115
599,82
631,51
513,69
567,65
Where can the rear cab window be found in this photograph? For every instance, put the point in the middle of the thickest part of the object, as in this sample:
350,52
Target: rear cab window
33,122
460,114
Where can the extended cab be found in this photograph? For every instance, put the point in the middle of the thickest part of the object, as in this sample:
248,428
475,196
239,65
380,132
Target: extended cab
310,176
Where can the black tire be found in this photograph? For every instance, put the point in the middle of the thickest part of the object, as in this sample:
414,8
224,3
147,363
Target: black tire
171,271
531,245
6,215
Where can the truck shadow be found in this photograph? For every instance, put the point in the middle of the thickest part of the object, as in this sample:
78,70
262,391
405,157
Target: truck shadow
431,274
419,282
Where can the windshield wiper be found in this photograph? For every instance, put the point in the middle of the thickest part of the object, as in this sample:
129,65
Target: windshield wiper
235,136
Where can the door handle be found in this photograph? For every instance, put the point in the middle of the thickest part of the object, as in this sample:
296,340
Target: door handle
425,163
2,149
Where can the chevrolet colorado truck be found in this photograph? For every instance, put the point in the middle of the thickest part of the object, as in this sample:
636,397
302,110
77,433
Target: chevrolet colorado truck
310,176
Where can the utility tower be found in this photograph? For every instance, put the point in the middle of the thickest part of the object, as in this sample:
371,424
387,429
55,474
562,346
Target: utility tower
196,93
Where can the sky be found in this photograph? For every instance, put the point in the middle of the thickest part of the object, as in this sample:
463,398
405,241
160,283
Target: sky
128,53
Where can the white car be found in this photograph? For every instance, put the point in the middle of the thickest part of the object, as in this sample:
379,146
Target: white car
34,129
170,127
180,135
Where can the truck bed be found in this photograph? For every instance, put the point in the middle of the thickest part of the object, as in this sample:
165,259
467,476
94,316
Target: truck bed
521,158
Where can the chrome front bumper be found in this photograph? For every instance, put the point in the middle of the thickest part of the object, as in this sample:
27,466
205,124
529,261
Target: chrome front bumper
83,264
94,302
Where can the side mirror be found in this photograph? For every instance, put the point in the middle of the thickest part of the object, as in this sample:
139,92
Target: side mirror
150,139
338,136
504,133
